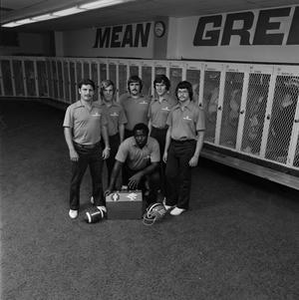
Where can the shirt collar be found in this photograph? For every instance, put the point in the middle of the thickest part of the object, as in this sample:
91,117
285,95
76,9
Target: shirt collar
165,98
135,144
189,106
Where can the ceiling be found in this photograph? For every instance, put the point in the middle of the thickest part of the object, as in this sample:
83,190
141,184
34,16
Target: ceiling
130,12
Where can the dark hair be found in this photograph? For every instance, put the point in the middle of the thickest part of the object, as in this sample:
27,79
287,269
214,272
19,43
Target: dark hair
185,85
105,84
86,81
162,79
135,78
141,126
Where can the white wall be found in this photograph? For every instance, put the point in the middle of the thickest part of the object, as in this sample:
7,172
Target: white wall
30,44
80,44
182,33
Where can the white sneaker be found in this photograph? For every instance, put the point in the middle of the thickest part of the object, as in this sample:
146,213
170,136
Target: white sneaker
177,211
167,207
73,214
102,208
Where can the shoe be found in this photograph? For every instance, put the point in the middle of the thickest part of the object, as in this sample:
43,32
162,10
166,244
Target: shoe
102,208
91,200
167,207
177,211
73,214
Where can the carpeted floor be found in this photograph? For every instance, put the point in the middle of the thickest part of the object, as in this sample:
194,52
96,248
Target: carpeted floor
238,241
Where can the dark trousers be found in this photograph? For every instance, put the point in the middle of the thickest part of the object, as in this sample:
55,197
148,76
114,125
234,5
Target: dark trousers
149,184
160,136
114,141
178,172
93,159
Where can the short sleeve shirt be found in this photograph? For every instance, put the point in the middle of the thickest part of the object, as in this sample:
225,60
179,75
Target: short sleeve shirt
135,157
159,111
136,110
186,122
115,116
85,123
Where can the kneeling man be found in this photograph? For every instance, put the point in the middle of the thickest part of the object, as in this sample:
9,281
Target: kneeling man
138,157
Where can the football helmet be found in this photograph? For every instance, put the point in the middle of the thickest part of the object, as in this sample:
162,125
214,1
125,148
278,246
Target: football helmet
154,212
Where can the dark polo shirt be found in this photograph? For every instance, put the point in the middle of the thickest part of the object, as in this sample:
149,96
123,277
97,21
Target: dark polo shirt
135,157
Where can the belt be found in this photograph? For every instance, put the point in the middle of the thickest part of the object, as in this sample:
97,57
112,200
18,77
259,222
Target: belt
87,146
161,129
182,141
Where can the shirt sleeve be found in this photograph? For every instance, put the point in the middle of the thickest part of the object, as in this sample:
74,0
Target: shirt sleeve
122,152
68,118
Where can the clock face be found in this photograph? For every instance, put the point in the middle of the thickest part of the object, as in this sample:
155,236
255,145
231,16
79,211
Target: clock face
159,29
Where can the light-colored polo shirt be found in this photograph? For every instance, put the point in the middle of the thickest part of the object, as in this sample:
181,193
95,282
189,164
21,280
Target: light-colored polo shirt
135,157
136,110
115,116
186,123
86,123
159,111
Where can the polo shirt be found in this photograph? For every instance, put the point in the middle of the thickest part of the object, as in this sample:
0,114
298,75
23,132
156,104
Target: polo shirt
86,123
186,122
115,116
159,111
136,110
135,157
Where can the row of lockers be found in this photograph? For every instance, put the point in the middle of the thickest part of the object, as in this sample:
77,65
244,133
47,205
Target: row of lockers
250,109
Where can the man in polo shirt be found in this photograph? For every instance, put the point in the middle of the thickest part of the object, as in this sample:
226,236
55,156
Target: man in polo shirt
135,105
159,110
116,119
139,156
184,141
84,125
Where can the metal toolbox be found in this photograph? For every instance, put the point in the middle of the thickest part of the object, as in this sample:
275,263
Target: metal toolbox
124,205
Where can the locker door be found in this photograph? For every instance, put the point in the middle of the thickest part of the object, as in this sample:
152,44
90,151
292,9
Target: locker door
175,76
30,78
211,103
122,78
231,108
193,76
42,78
161,69
146,75
50,78
133,69
6,78
60,81
73,82
95,78
66,80
256,103
86,70
18,78
282,117
103,71
112,71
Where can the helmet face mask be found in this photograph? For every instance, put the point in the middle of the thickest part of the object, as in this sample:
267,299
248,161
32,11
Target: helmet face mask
154,212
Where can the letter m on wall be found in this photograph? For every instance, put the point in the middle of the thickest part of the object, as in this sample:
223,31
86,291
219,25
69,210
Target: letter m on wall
102,38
